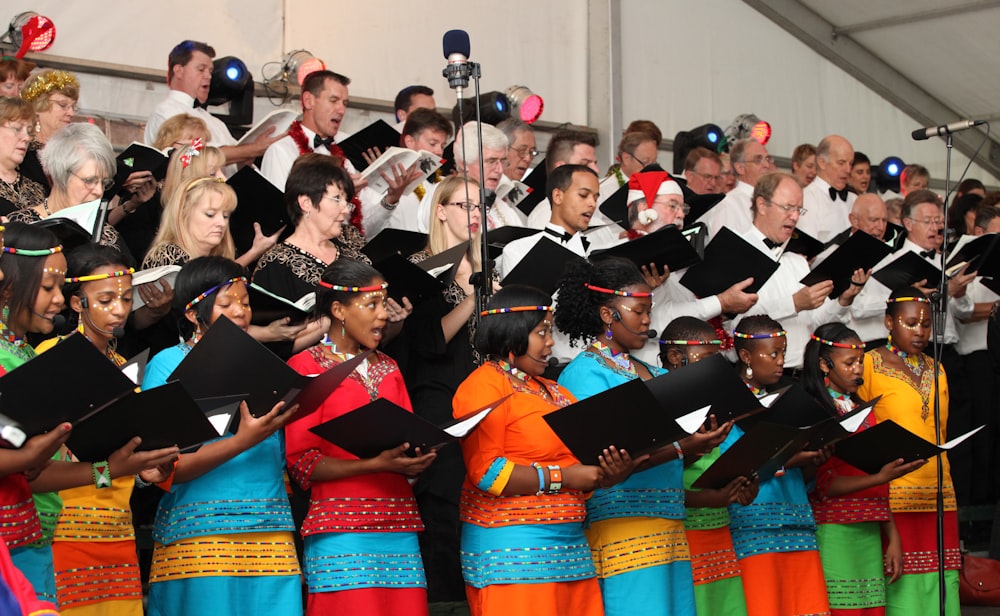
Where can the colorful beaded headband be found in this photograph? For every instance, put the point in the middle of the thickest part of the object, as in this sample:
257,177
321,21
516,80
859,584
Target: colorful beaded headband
613,292
47,82
839,345
26,252
690,342
486,313
191,304
368,289
922,300
777,334
93,277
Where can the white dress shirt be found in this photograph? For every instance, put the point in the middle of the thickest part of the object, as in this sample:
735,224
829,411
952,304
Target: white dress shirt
775,299
733,211
824,217
868,309
178,102
972,336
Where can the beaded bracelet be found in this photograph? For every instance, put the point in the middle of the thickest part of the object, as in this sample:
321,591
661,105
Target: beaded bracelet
541,478
102,474
680,452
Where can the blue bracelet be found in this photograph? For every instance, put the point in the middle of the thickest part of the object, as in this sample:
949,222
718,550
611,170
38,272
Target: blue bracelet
541,478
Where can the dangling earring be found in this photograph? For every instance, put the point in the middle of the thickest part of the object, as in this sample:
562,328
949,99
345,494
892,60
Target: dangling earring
826,380
196,336
608,334
749,372
38,126
888,339
343,332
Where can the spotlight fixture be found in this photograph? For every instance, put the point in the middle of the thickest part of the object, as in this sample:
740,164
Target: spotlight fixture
705,136
748,125
30,31
493,109
298,64
232,83
886,174
526,104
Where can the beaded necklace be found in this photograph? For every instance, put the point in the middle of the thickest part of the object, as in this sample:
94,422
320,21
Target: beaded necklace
619,360
17,345
519,376
842,401
911,361
331,347
757,391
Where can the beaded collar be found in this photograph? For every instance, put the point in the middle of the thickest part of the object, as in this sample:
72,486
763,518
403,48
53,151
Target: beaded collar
621,361
911,361
17,345
757,391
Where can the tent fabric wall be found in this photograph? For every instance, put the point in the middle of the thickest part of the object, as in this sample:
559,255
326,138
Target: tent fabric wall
682,63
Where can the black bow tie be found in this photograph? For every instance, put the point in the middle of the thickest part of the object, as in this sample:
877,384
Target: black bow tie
841,194
195,104
771,243
491,198
326,142
928,254
566,236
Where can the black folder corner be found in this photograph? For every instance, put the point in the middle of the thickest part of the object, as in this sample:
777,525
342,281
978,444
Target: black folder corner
542,267
728,260
860,251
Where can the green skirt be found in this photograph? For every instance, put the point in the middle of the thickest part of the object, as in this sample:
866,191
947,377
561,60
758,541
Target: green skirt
852,564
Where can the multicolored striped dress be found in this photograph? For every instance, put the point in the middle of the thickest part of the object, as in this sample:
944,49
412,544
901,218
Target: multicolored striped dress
718,588
361,550
635,528
849,534
775,541
21,527
524,554
93,546
223,541
913,497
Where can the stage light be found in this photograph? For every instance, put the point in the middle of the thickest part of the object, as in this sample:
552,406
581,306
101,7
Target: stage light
298,64
232,83
761,131
526,104
886,174
747,125
493,109
30,31
705,136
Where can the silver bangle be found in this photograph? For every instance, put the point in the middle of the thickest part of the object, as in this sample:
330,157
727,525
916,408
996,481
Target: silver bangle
389,206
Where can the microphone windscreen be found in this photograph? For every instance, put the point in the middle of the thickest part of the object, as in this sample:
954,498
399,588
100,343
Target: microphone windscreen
859,382
118,332
456,41
59,322
553,362
652,333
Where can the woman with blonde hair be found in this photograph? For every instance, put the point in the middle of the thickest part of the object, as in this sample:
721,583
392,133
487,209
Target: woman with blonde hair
16,191
180,130
440,356
195,224
54,95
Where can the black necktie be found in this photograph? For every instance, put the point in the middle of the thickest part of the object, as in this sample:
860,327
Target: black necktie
326,142
771,243
928,254
842,194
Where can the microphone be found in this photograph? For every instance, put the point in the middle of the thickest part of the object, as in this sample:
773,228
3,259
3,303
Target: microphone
649,333
58,321
116,332
945,129
859,382
456,51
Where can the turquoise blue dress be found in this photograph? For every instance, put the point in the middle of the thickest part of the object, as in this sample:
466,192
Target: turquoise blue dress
236,520
636,528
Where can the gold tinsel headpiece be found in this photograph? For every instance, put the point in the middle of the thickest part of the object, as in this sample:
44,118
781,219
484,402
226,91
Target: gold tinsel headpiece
47,81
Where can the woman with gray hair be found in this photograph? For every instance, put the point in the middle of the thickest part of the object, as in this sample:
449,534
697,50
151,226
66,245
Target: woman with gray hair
81,165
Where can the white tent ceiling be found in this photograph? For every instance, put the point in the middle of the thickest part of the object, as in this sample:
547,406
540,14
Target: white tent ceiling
934,59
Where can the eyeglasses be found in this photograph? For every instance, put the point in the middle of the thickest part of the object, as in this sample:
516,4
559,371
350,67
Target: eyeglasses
340,201
788,209
929,221
759,160
66,105
708,177
468,206
27,129
493,162
524,151
674,206
94,181
637,159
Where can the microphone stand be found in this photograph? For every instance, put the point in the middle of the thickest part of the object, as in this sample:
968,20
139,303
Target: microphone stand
482,281
939,312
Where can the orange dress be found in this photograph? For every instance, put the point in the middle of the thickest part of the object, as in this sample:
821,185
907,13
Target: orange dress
524,554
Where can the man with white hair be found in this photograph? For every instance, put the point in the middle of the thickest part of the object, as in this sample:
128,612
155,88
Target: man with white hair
826,197
466,152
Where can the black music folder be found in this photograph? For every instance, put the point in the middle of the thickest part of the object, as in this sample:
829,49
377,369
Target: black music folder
666,247
728,260
860,251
